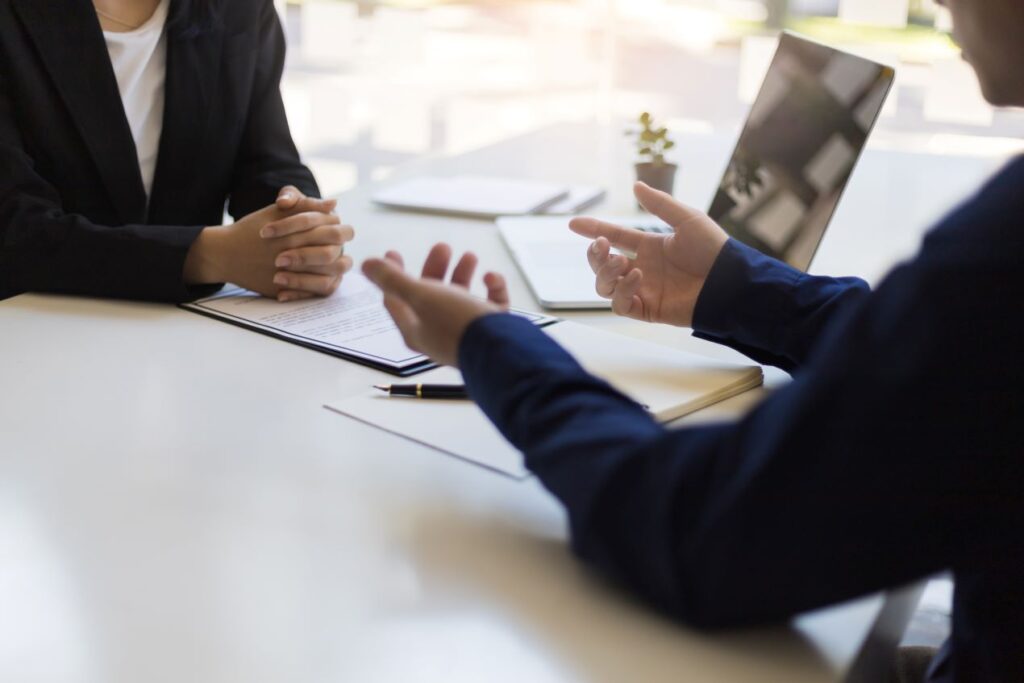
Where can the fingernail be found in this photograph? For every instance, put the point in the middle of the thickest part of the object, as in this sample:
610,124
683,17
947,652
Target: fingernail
283,262
287,196
281,280
266,233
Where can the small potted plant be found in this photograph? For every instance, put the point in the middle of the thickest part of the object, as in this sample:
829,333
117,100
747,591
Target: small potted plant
652,144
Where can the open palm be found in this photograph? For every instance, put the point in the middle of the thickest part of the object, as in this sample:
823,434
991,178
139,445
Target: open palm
661,278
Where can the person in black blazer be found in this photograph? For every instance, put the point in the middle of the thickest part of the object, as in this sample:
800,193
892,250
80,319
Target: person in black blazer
74,212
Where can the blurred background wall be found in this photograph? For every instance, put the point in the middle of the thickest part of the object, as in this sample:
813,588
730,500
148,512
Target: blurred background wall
373,84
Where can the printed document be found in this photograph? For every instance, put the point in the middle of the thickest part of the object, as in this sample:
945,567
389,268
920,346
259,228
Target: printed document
351,324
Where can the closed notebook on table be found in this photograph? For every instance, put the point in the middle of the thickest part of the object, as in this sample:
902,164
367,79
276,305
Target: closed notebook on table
472,196
669,383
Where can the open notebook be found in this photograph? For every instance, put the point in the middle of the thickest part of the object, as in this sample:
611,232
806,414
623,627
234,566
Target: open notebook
668,382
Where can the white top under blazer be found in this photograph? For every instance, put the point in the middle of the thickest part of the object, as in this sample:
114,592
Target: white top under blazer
139,58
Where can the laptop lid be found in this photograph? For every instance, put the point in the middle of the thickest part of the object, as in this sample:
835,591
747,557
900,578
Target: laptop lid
803,136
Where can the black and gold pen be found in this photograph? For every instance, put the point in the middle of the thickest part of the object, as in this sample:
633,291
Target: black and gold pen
426,391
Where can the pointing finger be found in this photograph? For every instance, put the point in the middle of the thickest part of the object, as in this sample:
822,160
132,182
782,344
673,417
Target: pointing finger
623,238
664,206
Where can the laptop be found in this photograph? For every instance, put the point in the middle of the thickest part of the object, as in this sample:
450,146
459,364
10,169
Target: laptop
802,139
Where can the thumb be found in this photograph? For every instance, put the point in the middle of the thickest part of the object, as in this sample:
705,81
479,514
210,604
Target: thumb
391,279
288,197
664,206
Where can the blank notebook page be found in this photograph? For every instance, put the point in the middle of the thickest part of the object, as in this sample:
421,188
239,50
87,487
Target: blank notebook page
668,382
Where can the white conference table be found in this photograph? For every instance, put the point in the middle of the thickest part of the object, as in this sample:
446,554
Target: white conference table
176,505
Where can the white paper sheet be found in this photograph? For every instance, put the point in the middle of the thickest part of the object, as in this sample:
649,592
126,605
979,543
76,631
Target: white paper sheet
457,428
668,382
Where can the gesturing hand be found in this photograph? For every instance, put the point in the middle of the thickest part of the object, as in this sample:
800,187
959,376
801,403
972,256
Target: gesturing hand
662,283
431,315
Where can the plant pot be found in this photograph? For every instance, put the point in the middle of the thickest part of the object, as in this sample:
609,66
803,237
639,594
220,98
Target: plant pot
659,176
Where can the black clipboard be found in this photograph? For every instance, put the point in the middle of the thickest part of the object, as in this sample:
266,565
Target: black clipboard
407,368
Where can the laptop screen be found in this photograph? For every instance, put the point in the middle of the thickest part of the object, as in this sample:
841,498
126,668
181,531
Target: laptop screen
803,136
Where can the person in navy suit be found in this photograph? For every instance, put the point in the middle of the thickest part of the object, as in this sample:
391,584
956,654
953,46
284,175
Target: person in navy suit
896,452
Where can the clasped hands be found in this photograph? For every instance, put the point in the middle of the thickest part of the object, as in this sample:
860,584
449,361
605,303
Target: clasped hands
293,249
659,281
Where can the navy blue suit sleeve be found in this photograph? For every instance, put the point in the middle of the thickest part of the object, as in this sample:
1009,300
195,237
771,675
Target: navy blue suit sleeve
768,310
859,458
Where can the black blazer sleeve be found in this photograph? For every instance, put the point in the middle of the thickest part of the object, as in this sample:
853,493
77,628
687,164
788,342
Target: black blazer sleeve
45,249
268,159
